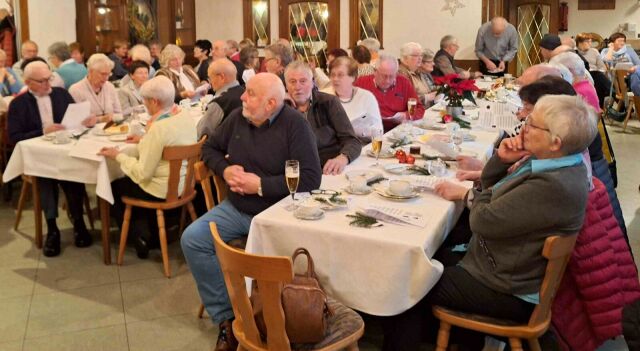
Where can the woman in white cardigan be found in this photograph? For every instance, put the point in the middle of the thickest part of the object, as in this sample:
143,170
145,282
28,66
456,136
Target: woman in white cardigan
147,175
97,89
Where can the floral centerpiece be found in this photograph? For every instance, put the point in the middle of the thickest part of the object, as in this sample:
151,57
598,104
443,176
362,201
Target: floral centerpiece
455,90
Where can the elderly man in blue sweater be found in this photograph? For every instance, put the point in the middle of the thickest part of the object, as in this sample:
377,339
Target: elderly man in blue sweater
249,150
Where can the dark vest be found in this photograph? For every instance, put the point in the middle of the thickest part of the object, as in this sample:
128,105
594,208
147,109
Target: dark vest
230,100
436,71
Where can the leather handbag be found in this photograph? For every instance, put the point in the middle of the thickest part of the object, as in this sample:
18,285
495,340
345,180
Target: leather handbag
304,303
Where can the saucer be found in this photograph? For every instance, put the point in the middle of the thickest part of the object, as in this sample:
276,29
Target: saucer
49,137
384,192
398,168
358,192
385,153
67,141
313,217
367,174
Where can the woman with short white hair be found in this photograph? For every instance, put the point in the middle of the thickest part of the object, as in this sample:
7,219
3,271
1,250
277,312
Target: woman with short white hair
97,89
184,78
410,62
139,52
10,83
147,174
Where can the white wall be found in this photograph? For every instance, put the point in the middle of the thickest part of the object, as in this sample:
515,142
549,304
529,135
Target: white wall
50,22
603,22
404,20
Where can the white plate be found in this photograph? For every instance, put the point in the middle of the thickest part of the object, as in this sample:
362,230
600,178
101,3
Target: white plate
314,217
367,174
397,168
385,153
48,137
431,125
118,137
385,193
358,192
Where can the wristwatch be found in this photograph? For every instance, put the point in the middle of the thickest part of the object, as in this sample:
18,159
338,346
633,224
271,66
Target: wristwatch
260,189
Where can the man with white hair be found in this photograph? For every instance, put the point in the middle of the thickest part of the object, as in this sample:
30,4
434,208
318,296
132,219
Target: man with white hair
443,60
249,151
392,92
335,138
28,50
40,111
97,89
535,72
496,45
222,76
146,172
373,45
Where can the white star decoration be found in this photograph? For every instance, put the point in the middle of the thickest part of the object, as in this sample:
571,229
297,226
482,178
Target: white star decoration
452,6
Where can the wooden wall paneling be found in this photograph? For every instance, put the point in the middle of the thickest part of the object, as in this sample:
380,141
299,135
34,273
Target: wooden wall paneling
354,23
596,4
247,19
166,22
24,20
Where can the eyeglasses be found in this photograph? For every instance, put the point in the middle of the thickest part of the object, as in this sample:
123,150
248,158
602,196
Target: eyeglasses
42,81
527,123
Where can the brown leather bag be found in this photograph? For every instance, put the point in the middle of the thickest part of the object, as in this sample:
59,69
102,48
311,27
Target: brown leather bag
304,303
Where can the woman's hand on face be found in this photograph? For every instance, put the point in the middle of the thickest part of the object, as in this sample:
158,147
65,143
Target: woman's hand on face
512,149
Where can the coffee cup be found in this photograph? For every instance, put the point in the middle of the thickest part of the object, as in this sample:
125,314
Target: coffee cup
358,184
400,188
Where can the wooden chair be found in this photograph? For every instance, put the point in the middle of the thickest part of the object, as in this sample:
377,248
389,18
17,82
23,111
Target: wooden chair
557,250
635,106
31,182
175,155
271,272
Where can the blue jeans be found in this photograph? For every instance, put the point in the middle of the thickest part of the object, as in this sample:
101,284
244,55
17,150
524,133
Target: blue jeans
198,249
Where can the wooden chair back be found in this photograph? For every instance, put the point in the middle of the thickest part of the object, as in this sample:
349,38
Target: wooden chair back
221,187
620,85
557,250
176,155
203,176
271,272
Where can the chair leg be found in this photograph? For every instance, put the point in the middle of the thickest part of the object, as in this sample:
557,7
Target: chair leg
163,243
37,211
353,347
515,344
87,207
192,211
534,345
124,233
443,336
21,200
183,214
627,117
201,311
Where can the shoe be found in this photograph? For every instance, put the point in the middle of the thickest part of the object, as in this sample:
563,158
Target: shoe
142,247
226,340
82,237
51,246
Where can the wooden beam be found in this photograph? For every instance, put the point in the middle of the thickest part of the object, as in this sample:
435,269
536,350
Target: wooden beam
24,19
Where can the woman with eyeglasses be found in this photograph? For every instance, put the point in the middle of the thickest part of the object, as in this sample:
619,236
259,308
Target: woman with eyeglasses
129,94
410,63
534,186
96,88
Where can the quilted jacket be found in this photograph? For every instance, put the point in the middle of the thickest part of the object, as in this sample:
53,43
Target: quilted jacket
601,278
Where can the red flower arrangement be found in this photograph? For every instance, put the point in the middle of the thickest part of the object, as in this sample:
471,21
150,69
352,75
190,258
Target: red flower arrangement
456,89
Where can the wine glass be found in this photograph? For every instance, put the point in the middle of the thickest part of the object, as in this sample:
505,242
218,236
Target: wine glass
376,143
292,177
458,137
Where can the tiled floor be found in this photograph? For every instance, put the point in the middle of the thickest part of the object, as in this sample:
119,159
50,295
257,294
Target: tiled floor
74,302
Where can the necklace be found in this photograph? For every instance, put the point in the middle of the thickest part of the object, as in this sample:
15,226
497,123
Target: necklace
353,93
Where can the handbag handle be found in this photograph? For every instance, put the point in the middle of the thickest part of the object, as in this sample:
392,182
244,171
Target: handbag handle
311,272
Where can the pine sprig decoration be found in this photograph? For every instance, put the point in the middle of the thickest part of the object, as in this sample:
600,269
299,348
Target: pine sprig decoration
362,220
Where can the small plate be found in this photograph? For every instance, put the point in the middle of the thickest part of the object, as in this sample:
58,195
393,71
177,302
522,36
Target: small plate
118,137
397,168
367,174
358,192
48,137
66,141
315,217
385,193
385,153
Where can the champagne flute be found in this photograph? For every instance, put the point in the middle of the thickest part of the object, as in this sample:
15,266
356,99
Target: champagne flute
292,177
376,143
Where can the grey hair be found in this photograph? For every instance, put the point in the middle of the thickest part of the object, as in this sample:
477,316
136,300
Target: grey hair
384,57
97,61
372,44
60,49
427,55
281,51
298,66
140,52
447,40
159,88
32,67
409,48
572,62
169,52
569,118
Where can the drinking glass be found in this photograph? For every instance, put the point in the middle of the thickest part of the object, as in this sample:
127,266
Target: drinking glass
437,167
458,138
411,108
452,129
292,177
376,143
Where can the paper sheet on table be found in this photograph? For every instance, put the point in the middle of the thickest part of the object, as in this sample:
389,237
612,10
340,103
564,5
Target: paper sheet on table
395,215
88,149
499,115
75,114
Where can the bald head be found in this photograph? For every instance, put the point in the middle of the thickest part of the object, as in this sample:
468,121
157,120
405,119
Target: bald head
536,72
221,72
219,49
498,24
264,96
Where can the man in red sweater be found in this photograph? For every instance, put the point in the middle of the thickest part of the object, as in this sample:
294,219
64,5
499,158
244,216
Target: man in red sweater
392,92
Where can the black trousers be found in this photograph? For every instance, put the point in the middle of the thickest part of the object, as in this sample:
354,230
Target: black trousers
457,290
73,191
485,70
143,221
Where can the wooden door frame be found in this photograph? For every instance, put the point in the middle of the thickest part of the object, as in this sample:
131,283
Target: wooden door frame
247,20
333,37
24,20
354,23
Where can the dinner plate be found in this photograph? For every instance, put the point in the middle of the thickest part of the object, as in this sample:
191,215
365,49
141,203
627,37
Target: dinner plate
367,174
385,153
385,193
313,217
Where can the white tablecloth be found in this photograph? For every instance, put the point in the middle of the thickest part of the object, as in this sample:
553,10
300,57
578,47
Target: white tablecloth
381,271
